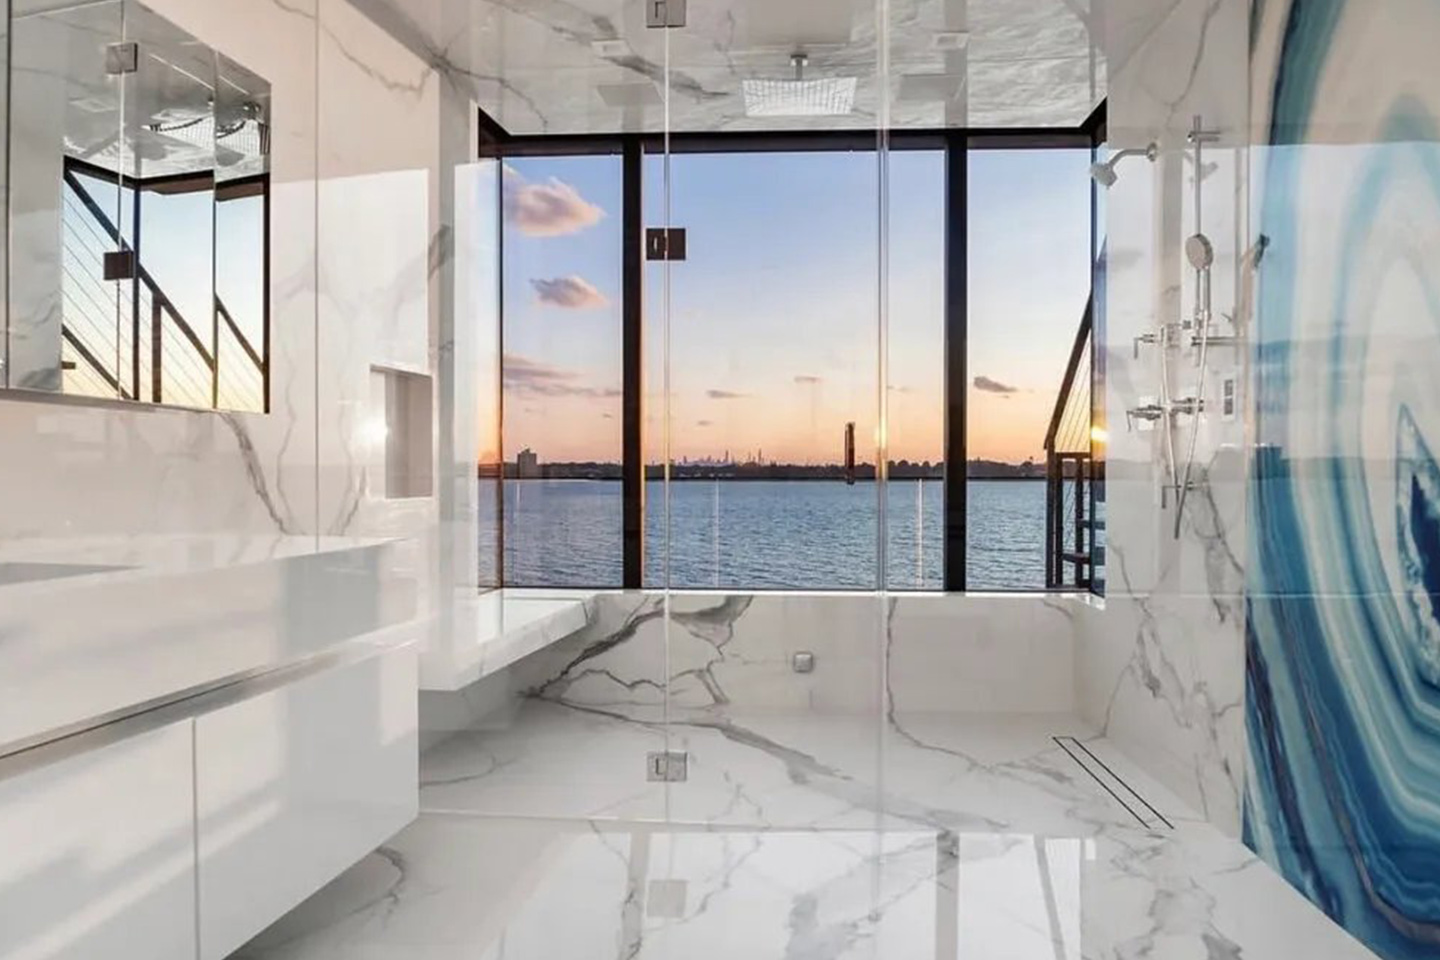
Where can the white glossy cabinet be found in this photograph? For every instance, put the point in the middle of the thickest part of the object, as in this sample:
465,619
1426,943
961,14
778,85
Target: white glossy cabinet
295,785
97,853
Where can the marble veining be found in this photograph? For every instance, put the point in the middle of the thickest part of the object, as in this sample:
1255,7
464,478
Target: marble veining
533,64
1161,666
461,885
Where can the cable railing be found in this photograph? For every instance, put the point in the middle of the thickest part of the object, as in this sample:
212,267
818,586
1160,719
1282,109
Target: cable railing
127,338
1071,526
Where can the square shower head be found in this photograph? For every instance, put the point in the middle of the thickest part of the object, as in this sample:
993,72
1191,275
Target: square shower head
827,97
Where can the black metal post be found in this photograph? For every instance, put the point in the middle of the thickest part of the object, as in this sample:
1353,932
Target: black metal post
157,348
265,301
134,280
632,308
956,325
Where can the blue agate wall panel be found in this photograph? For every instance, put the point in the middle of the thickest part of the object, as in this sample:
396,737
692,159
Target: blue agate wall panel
1343,591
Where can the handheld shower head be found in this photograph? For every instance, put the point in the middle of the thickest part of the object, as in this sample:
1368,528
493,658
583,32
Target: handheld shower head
1104,173
1200,251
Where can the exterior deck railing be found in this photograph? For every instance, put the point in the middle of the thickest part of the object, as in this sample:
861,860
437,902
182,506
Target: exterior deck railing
1072,527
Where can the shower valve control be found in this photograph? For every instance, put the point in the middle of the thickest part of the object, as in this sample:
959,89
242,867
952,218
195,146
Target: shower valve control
1145,415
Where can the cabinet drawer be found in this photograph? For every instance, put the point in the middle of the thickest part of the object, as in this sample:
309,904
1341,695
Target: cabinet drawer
99,853
295,785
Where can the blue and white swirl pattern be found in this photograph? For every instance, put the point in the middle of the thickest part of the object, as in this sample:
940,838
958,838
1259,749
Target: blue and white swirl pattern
1343,635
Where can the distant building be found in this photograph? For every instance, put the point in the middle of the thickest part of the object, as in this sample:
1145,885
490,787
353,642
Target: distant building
527,464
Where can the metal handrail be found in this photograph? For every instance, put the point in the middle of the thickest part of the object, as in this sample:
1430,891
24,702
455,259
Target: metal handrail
244,342
1077,351
143,275
93,361
160,305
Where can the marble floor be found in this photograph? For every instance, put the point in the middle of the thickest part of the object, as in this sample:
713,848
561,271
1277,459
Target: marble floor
797,838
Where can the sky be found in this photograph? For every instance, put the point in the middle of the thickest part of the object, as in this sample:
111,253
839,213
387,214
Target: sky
770,330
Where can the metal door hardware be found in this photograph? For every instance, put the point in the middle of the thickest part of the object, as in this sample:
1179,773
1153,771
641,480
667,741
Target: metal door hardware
665,243
672,766
664,13
119,265
122,58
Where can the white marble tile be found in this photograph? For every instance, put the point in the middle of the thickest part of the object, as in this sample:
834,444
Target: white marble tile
1160,669
962,653
491,888
775,771
534,68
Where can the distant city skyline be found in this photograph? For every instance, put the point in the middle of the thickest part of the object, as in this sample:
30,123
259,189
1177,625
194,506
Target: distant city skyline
528,457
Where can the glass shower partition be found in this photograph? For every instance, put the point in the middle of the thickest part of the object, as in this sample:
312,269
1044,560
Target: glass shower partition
765,423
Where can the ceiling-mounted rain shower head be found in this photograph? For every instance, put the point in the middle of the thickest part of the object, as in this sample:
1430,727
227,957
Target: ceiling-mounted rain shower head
1104,173
827,97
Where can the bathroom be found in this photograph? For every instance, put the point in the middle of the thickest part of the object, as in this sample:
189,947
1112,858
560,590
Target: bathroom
864,478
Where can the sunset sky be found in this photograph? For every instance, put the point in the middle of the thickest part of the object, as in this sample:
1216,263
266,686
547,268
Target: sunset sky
773,318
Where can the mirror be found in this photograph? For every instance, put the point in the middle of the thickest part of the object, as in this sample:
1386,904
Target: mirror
153,149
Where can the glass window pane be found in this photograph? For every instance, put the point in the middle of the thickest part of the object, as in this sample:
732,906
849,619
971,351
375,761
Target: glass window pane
772,360
915,518
1029,280
562,371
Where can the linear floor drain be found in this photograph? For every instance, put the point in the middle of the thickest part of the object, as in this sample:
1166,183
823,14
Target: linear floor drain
1125,795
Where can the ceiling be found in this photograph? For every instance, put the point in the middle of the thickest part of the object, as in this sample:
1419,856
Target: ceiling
593,66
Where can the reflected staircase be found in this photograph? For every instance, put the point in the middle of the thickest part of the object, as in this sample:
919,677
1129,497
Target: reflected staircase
123,336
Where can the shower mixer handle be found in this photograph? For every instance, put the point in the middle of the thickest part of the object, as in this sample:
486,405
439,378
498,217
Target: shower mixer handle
1146,413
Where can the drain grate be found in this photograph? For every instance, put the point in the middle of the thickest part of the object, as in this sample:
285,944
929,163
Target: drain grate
1127,796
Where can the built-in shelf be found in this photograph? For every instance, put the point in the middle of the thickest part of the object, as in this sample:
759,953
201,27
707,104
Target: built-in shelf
401,404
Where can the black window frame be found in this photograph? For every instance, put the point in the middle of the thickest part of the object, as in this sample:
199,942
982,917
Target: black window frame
498,144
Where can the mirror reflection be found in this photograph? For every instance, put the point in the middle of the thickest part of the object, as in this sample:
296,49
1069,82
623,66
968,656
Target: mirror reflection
140,219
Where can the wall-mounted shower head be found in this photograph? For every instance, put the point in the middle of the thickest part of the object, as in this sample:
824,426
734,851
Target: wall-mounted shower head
1104,173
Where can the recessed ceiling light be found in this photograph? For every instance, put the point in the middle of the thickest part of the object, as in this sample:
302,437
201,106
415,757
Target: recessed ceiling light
951,40
610,49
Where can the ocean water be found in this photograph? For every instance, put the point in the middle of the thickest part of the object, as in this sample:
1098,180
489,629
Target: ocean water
769,535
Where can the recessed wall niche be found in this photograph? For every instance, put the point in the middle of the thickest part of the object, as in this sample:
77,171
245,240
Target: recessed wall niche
400,415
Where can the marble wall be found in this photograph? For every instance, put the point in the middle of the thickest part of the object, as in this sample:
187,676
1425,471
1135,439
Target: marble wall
1343,695
1160,667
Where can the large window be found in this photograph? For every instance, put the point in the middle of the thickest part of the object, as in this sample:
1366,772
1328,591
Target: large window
747,373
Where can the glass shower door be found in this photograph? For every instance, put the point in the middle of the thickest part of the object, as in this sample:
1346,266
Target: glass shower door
764,346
